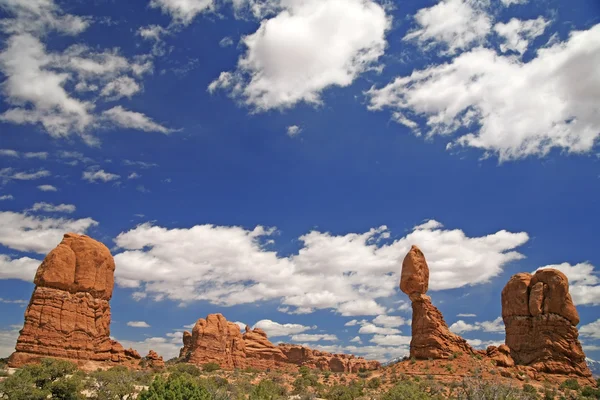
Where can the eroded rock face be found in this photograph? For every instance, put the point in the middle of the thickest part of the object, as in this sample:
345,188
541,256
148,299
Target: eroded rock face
215,339
68,315
431,337
501,355
154,361
540,320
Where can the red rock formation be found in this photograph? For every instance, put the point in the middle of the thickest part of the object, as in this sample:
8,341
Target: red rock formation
154,361
540,320
501,355
69,313
431,337
214,339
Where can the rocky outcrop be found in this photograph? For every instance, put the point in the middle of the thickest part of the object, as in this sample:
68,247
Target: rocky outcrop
215,339
500,355
540,320
68,315
154,361
431,337
300,355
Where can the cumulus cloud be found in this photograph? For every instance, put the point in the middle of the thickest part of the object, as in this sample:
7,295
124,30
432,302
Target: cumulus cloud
584,283
372,329
23,268
308,337
517,34
391,340
36,234
591,330
123,86
47,188
553,98
168,347
390,321
133,120
8,153
510,2
293,130
274,329
99,175
483,344
8,338
47,207
138,324
9,174
347,273
183,11
6,197
356,339
455,24
308,46
495,326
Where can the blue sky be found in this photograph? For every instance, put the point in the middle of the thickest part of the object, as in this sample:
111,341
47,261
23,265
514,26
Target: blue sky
273,160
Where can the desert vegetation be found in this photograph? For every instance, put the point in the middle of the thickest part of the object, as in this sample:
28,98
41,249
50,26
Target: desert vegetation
57,379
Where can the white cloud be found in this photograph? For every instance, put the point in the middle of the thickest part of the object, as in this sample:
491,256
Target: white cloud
123,86
6,197
495,326
8,301
47,188
389,321
584,283
259,9
591,330
391,340
23,268
99,175
483,344
29,233
154,33
183,11
133,120
307,337
517,34
510,2
8,153
133,175
553,98
455,24
47,207
138,324
309,46
347,273
226,42
293,130
372,329
39,17
466,315
356,339
141,164
42,155
238,323
8,339
167,347
274,329
9,174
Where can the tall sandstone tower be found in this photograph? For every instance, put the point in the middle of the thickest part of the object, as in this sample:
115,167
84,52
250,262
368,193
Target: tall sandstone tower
68,315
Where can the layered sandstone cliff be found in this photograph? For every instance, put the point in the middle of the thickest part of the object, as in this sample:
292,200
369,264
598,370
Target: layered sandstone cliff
431,337
68,315
215,339
541,323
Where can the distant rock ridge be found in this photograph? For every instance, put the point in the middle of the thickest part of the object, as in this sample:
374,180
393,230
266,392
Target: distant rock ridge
214,339
68,315
541,323
431,337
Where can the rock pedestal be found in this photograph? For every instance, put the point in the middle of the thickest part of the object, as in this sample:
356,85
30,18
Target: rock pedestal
431,337
540,320
68,315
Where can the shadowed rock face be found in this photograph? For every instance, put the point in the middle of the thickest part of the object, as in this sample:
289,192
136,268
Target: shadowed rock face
540,320
431,337
68,315
215,339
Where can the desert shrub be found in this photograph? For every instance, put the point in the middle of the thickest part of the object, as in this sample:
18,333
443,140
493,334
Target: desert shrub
527,388
251,370
570,384
55,379
342,392
183,368
267,390
590,392
114,384
449,367
364,374
374,383
175,387
211,367
484,390
406,390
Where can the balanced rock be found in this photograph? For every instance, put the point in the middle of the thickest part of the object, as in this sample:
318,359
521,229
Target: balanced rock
540,321
431,337
68,315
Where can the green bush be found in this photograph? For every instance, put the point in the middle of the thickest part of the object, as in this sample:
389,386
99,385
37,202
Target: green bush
50,378
183,368
406,390
590,392
211,367
570,384
267,390
342,392
176,387
113,384
374,383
